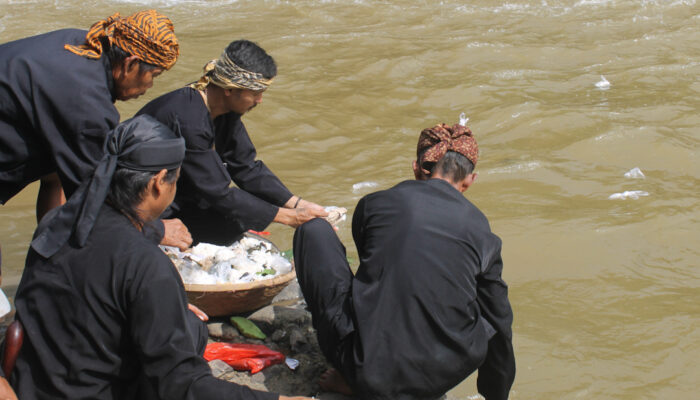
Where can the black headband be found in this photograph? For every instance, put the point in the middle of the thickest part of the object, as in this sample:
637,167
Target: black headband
141,144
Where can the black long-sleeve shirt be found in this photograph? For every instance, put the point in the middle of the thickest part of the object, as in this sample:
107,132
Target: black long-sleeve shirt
429,303
218,152
98,319
56,108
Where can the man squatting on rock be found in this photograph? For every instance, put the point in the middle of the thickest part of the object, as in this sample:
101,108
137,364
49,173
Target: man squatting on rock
427,306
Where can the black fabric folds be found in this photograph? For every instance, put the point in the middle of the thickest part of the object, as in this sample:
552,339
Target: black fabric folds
141,144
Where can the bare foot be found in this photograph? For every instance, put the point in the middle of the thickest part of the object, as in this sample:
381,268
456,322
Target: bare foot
333,381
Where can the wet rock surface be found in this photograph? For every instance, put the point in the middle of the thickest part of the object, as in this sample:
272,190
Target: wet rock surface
287,325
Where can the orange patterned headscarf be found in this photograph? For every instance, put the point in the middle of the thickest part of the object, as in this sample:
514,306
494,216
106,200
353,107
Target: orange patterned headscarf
148,35
435,142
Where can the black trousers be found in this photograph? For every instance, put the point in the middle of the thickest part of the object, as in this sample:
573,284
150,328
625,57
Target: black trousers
325,279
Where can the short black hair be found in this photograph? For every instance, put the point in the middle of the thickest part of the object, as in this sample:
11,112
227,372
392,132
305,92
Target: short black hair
128,188
248,55
453,166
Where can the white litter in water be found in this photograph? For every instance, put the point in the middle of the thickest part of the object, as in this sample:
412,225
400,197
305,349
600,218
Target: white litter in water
362,185
628,194
5,307
463,119
634,173
603,83
249,259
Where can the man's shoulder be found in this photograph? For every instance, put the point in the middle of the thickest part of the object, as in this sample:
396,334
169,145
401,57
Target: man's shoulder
179,98
45,46
183,105
120,235
404,188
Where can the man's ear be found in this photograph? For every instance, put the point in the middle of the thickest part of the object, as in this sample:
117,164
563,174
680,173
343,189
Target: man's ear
416,170
131,64
466,182
158,183
125,67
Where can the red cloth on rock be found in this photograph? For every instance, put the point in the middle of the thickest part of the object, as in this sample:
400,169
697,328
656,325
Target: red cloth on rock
243,356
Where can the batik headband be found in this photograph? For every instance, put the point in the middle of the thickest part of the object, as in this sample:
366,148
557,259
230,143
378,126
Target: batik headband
224,73
148,35
435,142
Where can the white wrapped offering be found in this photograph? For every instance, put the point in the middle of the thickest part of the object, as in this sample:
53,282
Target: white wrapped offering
250,259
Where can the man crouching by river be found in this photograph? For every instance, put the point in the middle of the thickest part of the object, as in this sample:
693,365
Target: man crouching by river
427,306
104,312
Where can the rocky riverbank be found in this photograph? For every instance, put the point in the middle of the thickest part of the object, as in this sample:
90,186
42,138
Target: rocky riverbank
287,325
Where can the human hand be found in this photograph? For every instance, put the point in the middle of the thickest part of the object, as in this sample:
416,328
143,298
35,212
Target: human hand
310,205
294,217
6,392
301,215
199,313
176,234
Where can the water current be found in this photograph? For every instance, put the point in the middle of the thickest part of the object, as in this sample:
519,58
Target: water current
605,291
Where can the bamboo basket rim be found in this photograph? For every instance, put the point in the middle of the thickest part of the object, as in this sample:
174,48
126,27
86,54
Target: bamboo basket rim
236,287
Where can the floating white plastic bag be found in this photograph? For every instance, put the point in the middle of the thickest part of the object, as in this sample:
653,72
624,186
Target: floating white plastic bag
463,119
628,194
603,84
634,173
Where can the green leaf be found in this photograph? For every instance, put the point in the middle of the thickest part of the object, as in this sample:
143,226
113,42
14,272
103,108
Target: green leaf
267,271
247,328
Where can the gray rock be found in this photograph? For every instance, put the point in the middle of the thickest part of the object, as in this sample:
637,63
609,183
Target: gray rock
224,331
297,340
271,318
278,335
219,368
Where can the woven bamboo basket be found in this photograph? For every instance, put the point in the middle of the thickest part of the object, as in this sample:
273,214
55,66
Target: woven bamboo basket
234,298
226,299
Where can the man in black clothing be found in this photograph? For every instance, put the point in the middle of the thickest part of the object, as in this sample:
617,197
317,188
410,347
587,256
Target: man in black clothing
57,94
219,150
104,311
427,306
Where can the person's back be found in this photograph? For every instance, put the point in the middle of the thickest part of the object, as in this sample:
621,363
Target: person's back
92,307
36,76
422,245
427,305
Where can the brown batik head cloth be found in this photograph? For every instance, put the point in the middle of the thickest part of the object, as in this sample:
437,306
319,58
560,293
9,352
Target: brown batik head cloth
435,142
148,35
223,72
